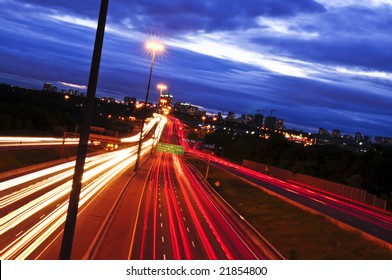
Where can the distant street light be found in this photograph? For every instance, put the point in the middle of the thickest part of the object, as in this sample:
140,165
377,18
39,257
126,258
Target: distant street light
154,47
161,87
203,118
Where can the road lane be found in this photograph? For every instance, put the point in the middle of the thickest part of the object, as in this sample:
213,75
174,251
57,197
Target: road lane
374,222
181,219
33,206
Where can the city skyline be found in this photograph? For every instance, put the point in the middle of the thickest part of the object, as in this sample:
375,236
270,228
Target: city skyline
235,117
305,59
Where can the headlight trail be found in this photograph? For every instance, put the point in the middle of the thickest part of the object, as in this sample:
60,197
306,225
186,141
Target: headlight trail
183,218
24,238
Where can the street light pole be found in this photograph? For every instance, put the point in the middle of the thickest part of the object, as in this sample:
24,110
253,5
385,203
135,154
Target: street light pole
202,121
154,47
70,222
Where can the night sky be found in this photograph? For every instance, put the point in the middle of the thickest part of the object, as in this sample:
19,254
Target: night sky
324,63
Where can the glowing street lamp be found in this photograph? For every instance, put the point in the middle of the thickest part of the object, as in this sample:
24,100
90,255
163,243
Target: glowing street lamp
153,47
161,87
203,118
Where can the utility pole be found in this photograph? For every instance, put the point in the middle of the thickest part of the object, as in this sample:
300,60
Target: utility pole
70,222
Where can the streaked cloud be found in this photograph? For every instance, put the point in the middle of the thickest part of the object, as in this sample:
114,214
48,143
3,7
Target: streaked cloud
321,63
369,74
85,22
346,3
73,85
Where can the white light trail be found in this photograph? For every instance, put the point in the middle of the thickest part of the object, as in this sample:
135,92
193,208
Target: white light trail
99,171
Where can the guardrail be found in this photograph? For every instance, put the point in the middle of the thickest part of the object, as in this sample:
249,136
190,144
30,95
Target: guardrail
324,185
96,137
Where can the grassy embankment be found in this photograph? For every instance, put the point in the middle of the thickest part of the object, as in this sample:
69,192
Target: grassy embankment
296,233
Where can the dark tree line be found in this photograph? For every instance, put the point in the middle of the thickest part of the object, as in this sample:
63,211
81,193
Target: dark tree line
32,110
50,113
370,170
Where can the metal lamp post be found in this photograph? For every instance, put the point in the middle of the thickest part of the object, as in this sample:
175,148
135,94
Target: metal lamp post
154,47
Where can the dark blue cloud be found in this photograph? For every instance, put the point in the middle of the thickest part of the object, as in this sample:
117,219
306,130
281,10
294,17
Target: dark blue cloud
85,7
37,47
216,15
189,15
349,36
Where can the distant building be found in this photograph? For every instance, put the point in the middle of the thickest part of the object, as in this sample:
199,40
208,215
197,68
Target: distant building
348,137
367,140
379,140
388,141
358,137
280,124
245,119
258,120
108,99
140,104
230,116
130,100
323,131
186,108
270,122
336,133
48,87
241,119
71,91
165,103
322,140
249,118
220,116
169,99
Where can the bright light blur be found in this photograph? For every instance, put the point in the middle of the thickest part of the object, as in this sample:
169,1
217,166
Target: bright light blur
155,46
147,128
161,87
26,227
11,141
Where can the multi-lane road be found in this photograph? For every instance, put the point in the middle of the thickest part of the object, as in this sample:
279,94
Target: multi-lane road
166,210
370,221
33,206
181,218
177,216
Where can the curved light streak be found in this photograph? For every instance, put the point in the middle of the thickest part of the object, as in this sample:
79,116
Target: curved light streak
99,171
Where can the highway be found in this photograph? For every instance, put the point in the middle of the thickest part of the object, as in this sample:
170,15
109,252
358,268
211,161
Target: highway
33,206
176,216
164,211
181,218
371,221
